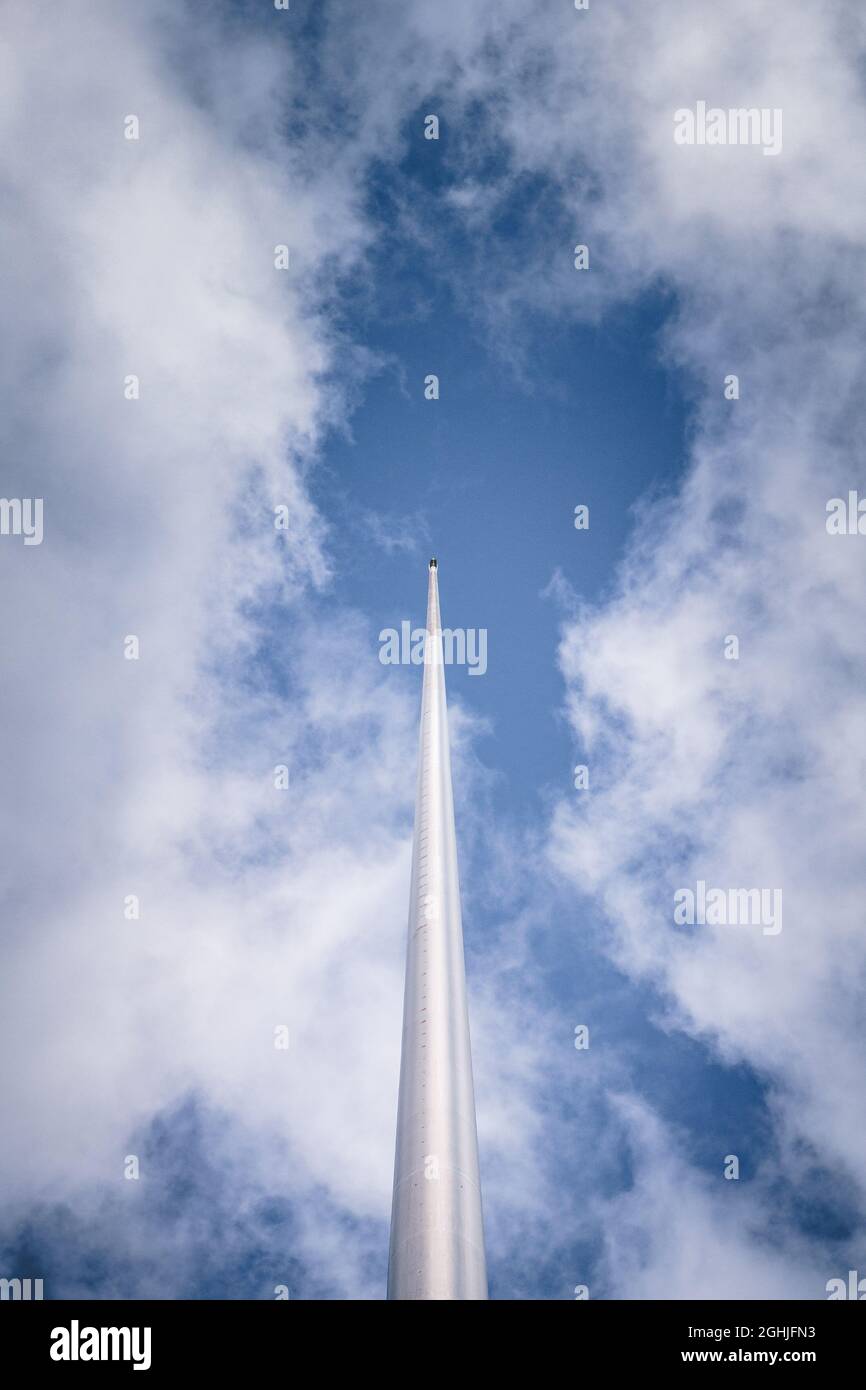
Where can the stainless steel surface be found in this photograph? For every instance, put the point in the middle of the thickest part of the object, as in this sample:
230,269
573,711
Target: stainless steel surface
437,1236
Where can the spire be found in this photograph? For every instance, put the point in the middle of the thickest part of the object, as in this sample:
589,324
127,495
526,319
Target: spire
437,1237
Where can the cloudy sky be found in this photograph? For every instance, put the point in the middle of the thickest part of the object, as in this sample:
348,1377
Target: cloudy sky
740,766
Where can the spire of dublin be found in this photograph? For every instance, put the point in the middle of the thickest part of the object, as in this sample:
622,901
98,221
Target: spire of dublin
437,1234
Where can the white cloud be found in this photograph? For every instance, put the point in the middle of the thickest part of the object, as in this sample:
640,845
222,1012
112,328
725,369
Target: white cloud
676,1235
156,777
740,773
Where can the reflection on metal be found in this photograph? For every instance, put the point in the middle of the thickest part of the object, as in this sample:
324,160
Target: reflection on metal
437,1236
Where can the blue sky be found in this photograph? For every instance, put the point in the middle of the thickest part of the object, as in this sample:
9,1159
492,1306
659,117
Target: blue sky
489,475
152,1037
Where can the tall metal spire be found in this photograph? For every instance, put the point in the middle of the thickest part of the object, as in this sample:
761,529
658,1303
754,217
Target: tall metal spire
437,1236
